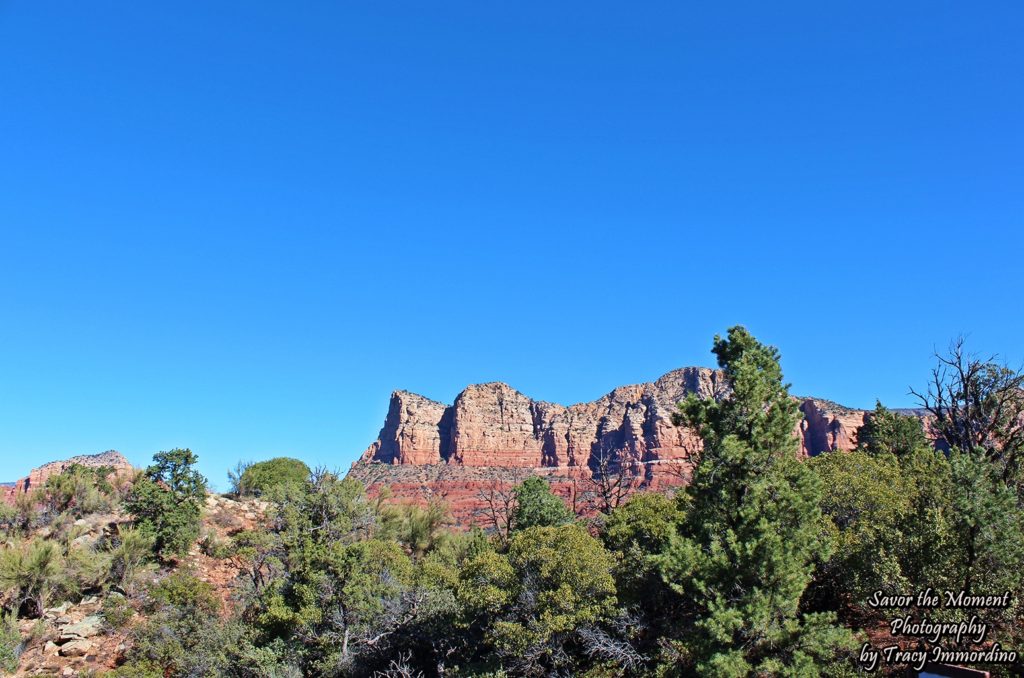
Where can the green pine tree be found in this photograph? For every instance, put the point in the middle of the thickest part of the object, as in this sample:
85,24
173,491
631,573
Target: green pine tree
888,432
745,551
537,506
166,501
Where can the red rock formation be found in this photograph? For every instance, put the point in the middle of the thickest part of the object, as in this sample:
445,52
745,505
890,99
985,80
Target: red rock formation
37,477
828,426
494,436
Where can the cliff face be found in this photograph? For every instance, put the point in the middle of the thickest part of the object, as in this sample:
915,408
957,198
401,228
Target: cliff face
827,426
494,425
38,476
494,436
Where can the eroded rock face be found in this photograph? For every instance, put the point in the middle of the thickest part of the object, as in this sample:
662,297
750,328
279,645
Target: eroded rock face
415,431
827,426
494,425
37,477
494,436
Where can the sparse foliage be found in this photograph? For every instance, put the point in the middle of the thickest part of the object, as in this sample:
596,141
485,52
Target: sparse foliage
498,504
978,404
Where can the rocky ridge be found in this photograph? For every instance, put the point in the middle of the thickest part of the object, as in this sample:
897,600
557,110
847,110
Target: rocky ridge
38,476
493,436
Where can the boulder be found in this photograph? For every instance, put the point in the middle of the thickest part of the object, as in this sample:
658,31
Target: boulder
76,648
87,628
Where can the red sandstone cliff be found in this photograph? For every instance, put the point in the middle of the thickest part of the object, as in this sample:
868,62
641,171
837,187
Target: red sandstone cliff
494,436
495,425
37,477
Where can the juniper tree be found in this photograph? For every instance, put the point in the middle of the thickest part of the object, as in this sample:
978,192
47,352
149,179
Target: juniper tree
538,506
166,501
744,553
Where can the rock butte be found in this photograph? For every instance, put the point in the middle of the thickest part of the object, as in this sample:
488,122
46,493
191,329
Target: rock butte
37,477
493,437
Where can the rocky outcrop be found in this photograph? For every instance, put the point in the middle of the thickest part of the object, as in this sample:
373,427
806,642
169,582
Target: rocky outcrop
37,477
494,425
828,426
415,431
492,436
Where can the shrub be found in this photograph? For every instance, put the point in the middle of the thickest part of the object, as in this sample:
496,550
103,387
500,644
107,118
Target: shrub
183,635
117,612
637,531
257,479
215,548
417,528
84,569
30,572
138,669
79,490
26,516
129,551
532,601
8,519
10,643
183,591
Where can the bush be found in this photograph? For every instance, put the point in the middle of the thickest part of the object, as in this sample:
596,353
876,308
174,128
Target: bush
8,519
10,643
84,569
26,516
117,612
128,551
637,532
553,582
183,591
183,634
257,479
418,529
139,669
79,490
215,548
29,573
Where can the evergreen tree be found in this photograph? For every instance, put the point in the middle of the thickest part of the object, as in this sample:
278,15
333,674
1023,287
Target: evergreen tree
888,432
166,501
988,523
744,553
537,506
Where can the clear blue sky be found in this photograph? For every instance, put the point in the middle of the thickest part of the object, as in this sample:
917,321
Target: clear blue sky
238,226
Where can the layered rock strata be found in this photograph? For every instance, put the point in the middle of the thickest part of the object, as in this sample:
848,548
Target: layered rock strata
493,436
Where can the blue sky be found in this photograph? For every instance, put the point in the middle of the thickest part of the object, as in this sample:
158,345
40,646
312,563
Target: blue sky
239,226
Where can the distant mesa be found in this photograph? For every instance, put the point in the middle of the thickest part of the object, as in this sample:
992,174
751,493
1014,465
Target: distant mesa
38,476
493,436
